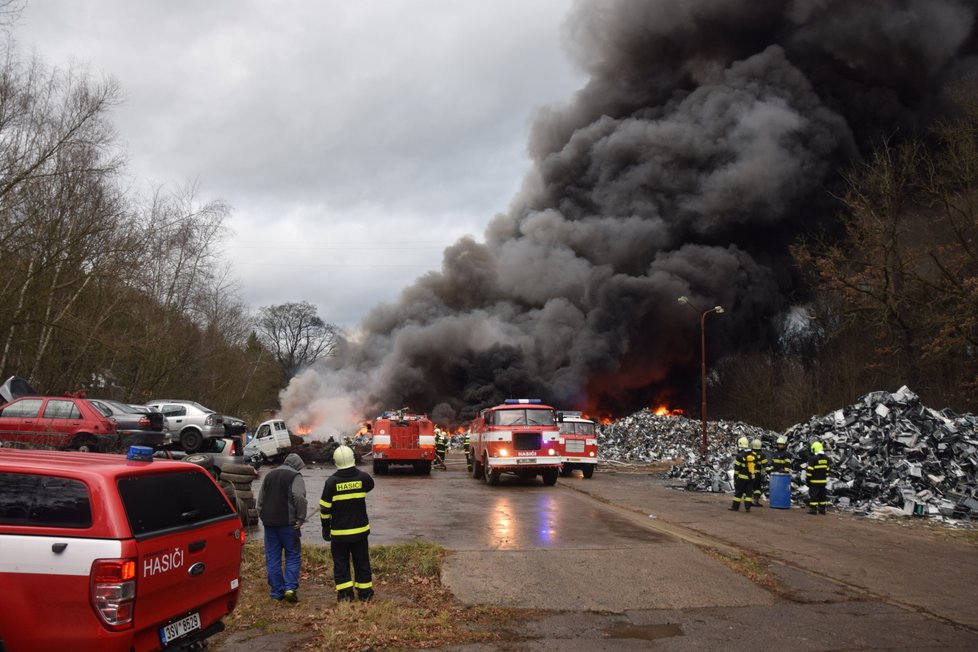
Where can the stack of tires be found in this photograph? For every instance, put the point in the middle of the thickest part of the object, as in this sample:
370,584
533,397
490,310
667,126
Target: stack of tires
236,481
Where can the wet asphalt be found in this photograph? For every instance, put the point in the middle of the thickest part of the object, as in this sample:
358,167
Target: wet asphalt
624,562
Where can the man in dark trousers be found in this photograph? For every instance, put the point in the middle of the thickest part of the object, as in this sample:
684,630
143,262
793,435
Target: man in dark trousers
282,509
343,510
817,476
762,466
743,473
441,449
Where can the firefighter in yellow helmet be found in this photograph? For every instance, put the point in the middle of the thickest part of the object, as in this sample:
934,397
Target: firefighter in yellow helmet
781,459
441,448
817,476
743,471
343,514
762,466
467,445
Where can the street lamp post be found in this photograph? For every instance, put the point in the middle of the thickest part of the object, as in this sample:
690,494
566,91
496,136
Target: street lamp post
718,310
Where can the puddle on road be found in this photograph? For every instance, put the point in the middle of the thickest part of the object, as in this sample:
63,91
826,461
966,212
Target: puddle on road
644,632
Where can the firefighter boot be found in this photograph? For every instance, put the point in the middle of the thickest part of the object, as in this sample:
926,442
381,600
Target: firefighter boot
365,595
344,595
821,509
812,509
747,506
735,507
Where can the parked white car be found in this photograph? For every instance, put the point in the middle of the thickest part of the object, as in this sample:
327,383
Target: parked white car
271,442
189,422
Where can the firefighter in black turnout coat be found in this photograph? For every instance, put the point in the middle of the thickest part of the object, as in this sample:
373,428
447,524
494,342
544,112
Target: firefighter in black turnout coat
343,510
743,473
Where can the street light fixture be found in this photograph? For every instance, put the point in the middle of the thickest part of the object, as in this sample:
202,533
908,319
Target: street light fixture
718,310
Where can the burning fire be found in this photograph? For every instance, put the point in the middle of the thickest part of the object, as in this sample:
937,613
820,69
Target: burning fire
665,411
303,431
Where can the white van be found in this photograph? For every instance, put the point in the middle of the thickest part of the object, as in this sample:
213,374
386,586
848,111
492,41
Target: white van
271,442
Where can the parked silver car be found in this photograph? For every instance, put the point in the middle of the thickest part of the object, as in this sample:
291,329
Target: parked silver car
189,422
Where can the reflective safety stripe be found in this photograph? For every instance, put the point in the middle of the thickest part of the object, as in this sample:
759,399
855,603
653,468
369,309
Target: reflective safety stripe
364,585
325,517
356,530
323,503
817,481
344,585
349,496
33,554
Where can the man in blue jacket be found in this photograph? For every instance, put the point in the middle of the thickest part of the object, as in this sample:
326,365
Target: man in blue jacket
343,510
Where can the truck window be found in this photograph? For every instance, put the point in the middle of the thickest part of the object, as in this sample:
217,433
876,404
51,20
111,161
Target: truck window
164,502
524,418
44,501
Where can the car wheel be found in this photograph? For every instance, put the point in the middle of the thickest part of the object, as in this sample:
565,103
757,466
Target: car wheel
84,444
588,470
200,459
549,477
492,475
245,495
191,441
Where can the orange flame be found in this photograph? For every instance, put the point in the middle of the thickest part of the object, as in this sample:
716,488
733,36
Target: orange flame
303,431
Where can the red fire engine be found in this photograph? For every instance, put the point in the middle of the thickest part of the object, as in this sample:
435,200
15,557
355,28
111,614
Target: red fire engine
400,437
519,437
578,443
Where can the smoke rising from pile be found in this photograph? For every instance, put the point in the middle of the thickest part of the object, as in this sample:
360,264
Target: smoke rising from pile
710,135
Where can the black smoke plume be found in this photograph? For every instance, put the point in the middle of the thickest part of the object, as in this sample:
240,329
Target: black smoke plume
711,134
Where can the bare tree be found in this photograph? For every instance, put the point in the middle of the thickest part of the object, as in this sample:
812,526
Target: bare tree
295,335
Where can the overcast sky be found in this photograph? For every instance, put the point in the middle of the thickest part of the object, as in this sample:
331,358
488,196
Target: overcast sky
353,140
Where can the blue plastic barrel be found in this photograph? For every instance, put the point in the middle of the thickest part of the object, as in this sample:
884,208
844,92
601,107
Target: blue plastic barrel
780,490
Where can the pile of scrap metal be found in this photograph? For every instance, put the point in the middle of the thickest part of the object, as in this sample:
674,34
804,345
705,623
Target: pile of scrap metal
889,454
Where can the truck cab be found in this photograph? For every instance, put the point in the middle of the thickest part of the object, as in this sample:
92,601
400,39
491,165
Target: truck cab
272,442
578,443
401,437
518,437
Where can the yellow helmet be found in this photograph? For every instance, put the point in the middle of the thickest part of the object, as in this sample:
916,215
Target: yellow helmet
743,443
782,440
756,444
343,457
816,447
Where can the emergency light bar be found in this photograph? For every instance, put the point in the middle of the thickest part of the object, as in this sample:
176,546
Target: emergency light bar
572,414
522,401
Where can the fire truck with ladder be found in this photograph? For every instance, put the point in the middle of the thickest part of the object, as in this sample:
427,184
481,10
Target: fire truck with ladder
578,443
402,437
519,437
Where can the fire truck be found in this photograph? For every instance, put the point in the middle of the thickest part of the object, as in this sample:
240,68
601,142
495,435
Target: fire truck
519,437
402,437
578,443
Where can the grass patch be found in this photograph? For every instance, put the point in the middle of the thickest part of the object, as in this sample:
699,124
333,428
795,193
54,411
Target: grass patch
411,609
753,567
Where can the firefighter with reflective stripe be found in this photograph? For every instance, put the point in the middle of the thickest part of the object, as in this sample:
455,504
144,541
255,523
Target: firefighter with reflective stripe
743,476
762,466
343,510
467,445
441,446
781,459
817,475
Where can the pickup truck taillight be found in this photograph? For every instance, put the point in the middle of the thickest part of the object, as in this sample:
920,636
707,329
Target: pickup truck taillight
144,422
113,591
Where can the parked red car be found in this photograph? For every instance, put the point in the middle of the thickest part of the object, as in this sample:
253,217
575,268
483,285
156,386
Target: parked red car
56,422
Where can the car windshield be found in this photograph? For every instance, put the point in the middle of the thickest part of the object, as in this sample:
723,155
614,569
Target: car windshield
102,408
577,428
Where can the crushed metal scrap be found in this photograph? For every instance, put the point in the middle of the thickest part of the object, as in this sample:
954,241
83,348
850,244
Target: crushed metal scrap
889,454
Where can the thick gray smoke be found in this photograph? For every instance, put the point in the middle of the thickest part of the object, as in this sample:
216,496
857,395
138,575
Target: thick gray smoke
711,134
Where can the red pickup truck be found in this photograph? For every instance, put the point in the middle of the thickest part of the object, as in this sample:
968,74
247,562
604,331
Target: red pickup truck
106,553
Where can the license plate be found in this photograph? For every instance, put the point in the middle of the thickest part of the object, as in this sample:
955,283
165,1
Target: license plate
180,628
531,460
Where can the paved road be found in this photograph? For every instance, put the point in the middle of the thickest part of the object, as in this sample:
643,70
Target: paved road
624,561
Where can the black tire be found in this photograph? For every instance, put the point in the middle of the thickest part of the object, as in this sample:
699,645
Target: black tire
242,510
229,491
423,467
588,470
566,470
84,444
250,504
491,475
240,469
239,478
241,486
380,468
191,440
549,477
476,469
244,495
202,460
